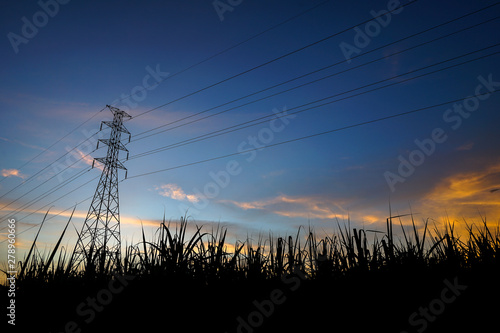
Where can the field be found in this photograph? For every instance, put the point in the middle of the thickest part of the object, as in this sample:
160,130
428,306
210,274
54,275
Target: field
431,279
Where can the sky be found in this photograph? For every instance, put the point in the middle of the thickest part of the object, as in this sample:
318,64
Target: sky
367,109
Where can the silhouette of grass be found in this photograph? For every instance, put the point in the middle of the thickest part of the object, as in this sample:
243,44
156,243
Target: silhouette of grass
179,275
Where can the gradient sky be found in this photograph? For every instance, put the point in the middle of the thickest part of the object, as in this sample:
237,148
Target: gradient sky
87,54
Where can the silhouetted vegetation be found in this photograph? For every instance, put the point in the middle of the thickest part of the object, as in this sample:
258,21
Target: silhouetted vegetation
359,279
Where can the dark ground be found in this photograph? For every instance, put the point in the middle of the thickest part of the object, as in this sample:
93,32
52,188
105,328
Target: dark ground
362,302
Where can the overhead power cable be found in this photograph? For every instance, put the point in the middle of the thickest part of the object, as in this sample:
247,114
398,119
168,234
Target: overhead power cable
54,215
52,145
191,139
401,114
32,177
313,135
49,179
275,59
141,136
227,49
54,189
173,75
240,126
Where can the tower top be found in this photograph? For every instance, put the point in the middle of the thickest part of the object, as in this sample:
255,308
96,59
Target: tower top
118,111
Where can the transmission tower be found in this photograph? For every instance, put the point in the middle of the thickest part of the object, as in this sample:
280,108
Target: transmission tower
98,248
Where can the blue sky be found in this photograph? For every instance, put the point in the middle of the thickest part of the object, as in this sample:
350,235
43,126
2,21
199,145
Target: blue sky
85,55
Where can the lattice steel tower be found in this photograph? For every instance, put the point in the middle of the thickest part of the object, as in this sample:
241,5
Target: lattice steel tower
98,248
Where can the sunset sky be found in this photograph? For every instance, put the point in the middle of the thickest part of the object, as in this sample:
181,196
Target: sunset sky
164,61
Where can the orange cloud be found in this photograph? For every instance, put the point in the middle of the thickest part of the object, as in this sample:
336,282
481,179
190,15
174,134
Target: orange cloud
175,192
318,208
12,173
87,159
305,207
467,146
465,195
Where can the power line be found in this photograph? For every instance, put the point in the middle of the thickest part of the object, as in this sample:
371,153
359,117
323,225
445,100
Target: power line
52,145
54,189
227,49
46,167
138,136
177,73
47,180
274,60
32,177
184,70
210,135
286,21
214,134
51,217
313,135
277,144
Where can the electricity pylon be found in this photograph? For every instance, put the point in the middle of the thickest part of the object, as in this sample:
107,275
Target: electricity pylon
98,248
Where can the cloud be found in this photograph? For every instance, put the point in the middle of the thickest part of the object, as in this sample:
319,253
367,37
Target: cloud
23,144
304,207
275,173
175,192
464,195
316,210
87,159
13,173
467,146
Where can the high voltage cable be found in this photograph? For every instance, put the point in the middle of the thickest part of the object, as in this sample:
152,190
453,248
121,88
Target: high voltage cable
227,49
46,167
138,136
255,36
283,142
311,135
52,216
229,130
213,134
275,59
206,136
32,177
59,198
54,189
56,174
299,86
53,176
173,75
151,110
64,183
81,173
52,145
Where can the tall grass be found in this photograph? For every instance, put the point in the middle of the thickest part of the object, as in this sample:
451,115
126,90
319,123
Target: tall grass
204,256
370,279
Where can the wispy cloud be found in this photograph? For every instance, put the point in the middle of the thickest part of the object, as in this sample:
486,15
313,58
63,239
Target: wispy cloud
13,173
87,159
463,195
175,192
467,146
23,144
305,207
317,208
48,107
275,173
